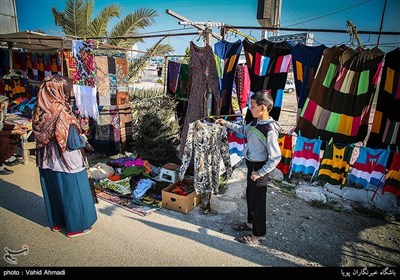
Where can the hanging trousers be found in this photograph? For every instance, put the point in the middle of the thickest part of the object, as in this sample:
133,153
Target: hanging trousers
256,195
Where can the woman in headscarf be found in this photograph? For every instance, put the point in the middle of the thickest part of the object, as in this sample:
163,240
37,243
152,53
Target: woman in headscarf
9,138
62,164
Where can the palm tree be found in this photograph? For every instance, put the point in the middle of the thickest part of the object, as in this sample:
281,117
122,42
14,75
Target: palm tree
76,21
139,63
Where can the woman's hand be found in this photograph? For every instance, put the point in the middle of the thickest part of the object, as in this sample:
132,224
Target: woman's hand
18,131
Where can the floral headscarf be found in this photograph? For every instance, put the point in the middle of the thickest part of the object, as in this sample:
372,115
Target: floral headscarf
52,115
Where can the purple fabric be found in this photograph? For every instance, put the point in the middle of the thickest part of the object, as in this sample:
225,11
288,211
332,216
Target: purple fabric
173,76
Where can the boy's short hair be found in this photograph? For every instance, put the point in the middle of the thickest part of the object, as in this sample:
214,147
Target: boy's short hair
263,97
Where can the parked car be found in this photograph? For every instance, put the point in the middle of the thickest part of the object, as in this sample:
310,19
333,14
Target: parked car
151,66
289,86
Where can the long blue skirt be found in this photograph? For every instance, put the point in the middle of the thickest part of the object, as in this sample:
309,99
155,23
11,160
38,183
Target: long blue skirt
68,199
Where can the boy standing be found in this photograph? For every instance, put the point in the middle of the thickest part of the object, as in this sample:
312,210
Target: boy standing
262,154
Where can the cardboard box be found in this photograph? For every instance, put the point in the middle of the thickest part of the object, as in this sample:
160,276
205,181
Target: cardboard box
177,202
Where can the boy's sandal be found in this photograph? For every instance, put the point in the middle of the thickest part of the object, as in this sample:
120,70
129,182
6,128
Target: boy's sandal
242,227
249,240
210,211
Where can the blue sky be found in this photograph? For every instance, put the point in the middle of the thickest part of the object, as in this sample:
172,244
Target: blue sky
326,14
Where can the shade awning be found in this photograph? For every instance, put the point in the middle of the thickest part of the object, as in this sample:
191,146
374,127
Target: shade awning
34,41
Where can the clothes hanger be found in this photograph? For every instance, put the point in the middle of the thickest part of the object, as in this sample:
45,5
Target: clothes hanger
12,74
251,37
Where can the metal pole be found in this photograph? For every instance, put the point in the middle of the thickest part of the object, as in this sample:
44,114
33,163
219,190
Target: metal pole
165,73
380,27
10,54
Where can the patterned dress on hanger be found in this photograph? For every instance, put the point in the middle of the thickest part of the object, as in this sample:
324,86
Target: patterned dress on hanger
207,143
204,80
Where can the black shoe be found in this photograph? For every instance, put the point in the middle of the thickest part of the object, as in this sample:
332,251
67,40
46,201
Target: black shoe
6,171
14,162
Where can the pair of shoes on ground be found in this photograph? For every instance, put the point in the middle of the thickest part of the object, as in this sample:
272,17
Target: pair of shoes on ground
208,210
250,239
6,171
14,162
56,228
242,227
79,233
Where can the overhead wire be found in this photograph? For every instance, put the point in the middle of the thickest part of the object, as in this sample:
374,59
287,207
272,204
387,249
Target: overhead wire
329,14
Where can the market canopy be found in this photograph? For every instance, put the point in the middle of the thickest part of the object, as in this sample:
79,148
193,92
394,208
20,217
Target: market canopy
34,41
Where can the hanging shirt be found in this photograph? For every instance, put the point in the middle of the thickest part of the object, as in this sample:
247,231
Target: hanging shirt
268,63
386,124
285,144
305,63
341,95
369,168
226,57
306,155
207,143
392,180
335,164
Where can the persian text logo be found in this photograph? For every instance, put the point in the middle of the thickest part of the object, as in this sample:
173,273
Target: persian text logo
10,255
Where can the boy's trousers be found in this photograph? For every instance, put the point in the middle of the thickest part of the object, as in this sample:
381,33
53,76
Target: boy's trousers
256,195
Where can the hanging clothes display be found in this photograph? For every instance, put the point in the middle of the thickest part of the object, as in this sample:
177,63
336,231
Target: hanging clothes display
285,144
173,76
183,88
204,80
102,80
226,57
306,155
121,66
392,180
386,124
207,143
305,63
268,64
242,82
335,164
84,78
339,102
369,168
112,77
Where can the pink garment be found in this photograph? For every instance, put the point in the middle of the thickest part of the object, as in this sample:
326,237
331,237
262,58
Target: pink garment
136,162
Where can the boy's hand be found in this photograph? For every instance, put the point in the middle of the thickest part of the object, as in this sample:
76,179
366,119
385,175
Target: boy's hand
220,121
254,176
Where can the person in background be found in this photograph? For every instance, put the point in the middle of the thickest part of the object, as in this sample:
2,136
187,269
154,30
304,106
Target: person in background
159,70
10,135
262,154
61,160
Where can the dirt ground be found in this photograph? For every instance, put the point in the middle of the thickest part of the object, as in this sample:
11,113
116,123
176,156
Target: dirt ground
313,235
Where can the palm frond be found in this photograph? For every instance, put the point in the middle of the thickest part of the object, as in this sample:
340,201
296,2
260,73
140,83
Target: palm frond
98,27
73,19
137,20
138,65
163,49
87,12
